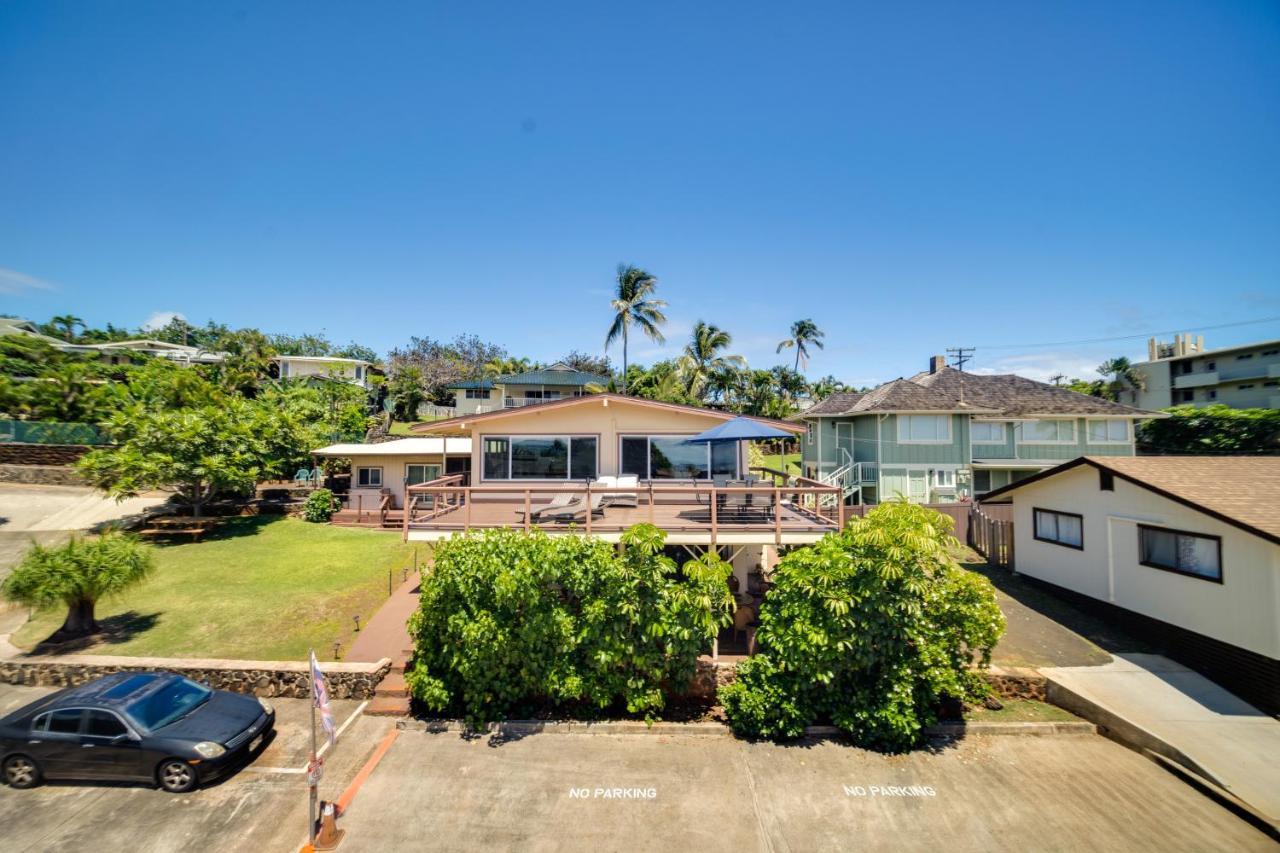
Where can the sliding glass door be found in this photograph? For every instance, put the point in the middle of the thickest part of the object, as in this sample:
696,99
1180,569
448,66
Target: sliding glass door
668,457
540,457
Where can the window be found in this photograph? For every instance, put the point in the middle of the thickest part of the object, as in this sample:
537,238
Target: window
1106,480
1184,367
64,722
1271,384
1245,356
1245,387
1213,394
1060,528
104,724
1062,431
1110,431
415,474
1271,352
369,478
808,432
543,457
924,429
944,478
477,394
359,371
667,457
1184,396
981,481
1213,365
1191,554
985,432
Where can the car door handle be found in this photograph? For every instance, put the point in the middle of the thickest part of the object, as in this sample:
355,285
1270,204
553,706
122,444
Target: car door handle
35,741
87,745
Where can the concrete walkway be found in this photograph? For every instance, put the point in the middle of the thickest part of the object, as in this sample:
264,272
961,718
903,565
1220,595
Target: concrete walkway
387,634
1184,716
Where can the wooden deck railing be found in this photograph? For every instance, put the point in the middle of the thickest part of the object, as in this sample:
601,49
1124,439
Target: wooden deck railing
726,505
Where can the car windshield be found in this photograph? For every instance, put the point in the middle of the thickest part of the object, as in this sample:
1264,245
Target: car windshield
176,698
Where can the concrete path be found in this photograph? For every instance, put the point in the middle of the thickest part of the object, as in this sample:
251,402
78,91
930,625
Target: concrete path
387,634
1227,740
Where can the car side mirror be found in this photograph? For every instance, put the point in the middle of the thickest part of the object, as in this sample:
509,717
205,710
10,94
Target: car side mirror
125,738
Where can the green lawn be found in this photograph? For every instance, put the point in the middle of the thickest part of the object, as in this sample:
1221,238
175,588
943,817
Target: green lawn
261,588
1021,711
774,461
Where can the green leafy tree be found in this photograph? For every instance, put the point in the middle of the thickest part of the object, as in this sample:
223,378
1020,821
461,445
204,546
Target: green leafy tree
510,622
1122,377
441,364
78,574
1211,429
869,628
404,390
826,386
587,363
66,325
704,356
804,334
634,305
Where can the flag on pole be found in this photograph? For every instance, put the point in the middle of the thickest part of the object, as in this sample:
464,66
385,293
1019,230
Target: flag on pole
320,696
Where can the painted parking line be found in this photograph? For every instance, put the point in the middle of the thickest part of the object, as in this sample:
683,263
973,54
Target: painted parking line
301,771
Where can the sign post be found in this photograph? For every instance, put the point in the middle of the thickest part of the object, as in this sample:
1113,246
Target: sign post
315,768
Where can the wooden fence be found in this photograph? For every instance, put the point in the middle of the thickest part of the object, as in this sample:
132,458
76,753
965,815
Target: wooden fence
991,537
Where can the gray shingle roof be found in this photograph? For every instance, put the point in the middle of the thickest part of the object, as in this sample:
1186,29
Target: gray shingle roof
1003,394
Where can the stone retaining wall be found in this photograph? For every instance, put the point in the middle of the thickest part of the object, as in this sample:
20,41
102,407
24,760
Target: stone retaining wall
43,475
15,453
1008,682
287,679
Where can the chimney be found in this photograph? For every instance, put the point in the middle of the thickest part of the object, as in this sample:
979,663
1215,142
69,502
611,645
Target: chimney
936,363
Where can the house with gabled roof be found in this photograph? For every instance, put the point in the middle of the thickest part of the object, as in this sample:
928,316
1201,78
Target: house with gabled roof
943,435
512,390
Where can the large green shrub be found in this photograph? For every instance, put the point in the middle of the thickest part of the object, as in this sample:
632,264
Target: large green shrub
320,506
510,622
869,628
1211,429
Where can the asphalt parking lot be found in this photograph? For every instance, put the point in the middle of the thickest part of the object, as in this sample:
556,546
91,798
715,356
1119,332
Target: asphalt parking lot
260,808
670,793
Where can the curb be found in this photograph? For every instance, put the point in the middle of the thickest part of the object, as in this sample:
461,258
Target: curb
523,728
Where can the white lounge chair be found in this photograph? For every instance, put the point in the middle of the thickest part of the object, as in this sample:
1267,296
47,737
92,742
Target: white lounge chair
578,507
626,481
560,501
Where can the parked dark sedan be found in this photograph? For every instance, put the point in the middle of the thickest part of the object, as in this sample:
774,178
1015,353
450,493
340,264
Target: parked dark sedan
136,726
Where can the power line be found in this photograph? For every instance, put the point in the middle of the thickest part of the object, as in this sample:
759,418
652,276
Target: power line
1129,337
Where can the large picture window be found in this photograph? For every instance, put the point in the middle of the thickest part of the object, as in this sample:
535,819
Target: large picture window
667,457
1109,431
1060,528
924,429
415,473
986,432
1056,431
1192,554
369,478
541,457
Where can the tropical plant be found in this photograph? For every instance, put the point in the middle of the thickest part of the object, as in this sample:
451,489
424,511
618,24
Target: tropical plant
1123,376
78,575
804,334
66,324
506,365
320,506
826,386
512,622
704,357
870,629
634,304
1211,429
404,390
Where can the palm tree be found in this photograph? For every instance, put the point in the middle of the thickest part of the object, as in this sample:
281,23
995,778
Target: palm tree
804,333
67,323
78,575
1123,376
703,359
634,303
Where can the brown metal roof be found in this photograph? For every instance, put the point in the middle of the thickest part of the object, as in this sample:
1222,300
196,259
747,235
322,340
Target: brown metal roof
1240,490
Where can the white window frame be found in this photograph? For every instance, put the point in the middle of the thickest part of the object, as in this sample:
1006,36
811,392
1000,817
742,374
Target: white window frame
809,430
1056,538
370,468
1003,439
648,454
511,438
409,465
902,440
1088,430
937,478
477,393
1022,437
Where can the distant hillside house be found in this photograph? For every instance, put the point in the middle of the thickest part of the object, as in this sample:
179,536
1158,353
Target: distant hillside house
513,390
124,352
351,370
943,435
1183,373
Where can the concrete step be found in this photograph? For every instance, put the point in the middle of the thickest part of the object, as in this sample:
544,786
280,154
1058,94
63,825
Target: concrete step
392,686
388,706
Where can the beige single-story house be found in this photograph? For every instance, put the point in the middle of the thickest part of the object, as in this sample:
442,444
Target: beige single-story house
388,467
351,370
1182,549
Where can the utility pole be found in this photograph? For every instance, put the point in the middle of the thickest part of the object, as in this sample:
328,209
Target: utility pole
960,356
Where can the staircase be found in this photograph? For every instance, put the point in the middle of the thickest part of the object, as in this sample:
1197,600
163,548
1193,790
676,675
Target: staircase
391,696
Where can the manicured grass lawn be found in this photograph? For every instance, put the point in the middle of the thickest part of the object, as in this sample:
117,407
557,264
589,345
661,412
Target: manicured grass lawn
774,461
401,428
1021,711
262,589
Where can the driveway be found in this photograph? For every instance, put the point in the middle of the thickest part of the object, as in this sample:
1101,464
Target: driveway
260,808
665,793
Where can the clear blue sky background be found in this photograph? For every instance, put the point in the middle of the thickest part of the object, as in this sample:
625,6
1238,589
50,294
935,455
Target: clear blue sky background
912,178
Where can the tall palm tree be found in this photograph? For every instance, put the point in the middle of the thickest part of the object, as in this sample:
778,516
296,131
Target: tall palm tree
1123,376
633,303
703,356
67,323
804,333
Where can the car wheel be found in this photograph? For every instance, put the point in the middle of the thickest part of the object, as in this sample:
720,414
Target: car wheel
176,776
21,771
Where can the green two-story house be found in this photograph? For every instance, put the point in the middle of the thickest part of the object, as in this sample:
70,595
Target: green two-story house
942,435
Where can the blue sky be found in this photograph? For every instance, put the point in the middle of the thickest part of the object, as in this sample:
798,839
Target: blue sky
912,178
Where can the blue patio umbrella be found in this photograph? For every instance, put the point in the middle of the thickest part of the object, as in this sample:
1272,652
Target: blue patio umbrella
740,428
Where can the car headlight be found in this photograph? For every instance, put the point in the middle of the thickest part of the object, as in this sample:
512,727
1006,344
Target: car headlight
266,706
209,749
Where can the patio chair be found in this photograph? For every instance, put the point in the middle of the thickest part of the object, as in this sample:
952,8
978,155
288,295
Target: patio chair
317,476
302,477
628,481
578,507
561,500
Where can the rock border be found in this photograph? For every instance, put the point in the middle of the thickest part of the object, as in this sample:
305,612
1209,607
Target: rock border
523,728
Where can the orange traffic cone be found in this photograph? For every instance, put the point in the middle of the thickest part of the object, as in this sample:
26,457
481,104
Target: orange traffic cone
329,836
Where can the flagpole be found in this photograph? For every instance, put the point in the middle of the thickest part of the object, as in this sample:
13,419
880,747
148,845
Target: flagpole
311,808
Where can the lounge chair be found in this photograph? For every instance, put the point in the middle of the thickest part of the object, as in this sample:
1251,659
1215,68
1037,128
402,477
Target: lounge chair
561,500
576,508
625,481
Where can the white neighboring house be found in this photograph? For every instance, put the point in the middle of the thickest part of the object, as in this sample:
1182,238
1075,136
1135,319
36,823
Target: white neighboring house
119,352
1182,549
351,370
387,467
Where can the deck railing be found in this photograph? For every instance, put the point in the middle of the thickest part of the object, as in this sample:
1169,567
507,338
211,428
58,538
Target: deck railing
448,503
